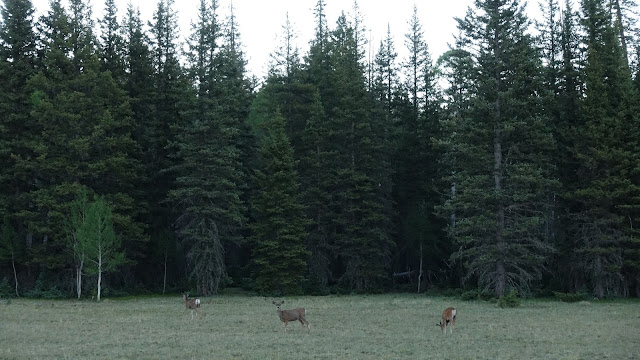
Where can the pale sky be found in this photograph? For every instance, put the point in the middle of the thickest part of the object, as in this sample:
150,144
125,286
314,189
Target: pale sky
260,21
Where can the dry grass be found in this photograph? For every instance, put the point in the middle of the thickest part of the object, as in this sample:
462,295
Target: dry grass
393,326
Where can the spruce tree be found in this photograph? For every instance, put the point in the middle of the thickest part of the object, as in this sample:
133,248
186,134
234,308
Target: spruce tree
206,196
83,133
112,43
604,198
501,170
278,229
18,62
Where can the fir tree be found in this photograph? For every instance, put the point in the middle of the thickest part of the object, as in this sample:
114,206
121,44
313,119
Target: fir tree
279,253
604,198
17,64
501,170
83,134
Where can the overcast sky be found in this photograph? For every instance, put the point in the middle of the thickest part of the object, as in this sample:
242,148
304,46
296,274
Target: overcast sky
261,21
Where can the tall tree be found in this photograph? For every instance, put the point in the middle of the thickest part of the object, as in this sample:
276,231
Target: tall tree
415,169
206,196
18,62
285,60
83,134
112,42
278,235
502,172
604,198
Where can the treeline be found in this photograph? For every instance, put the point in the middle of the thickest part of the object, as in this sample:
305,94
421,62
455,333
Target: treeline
511,162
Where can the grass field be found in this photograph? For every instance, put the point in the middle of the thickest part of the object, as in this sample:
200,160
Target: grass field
391,326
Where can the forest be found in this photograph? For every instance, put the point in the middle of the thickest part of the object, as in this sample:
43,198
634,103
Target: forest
133,163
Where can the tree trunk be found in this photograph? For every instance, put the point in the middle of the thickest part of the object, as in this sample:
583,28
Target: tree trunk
164,281
79,269
598,281
420,273
99,273
500,280
15,274
623,41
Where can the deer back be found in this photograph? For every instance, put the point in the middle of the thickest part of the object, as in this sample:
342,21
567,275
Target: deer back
292,315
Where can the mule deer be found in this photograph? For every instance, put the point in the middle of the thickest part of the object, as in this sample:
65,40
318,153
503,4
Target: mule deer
191,304
448,317
292,315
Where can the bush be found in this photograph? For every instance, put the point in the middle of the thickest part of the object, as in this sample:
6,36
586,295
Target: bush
570,297
510,300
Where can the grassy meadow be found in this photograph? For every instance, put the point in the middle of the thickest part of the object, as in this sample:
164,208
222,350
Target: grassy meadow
390,326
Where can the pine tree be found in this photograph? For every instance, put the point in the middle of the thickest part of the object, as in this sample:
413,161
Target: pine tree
386,80
604,198
112,43
285,60
83,135
279,253
415,169
18,63
501,170
206,197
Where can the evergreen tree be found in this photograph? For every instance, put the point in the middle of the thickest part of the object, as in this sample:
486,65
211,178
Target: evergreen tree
386,80
604,197
285,60
83,134
206,196
18,60
415,169
279,253
501,171
112,43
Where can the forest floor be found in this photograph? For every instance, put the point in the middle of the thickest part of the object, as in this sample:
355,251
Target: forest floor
389,326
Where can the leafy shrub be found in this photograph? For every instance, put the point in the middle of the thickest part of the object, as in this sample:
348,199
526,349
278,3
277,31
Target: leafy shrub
510,300
570,297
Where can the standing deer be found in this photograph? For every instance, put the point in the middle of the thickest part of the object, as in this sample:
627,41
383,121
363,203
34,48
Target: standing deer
448,317
191,304
292,315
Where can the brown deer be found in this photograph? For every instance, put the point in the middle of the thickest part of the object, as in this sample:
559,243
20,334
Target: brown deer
448,317
292,315
191,304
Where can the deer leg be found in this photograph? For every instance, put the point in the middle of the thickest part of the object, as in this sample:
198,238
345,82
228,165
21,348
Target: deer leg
453,324
285,326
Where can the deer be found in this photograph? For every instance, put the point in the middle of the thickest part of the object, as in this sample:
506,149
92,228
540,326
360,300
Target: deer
191,304
292,315
448,317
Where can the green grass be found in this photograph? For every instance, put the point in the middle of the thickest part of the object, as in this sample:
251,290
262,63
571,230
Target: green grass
392,326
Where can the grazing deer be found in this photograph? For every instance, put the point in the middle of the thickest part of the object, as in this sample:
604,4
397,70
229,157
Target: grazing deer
448,316
292,315
191,304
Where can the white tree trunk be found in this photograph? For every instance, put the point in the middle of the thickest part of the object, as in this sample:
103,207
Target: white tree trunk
99,272
79,269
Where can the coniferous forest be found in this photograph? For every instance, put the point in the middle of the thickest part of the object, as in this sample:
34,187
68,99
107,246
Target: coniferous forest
133,164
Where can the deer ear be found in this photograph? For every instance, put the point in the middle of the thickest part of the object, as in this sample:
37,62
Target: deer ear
282,302
273,302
